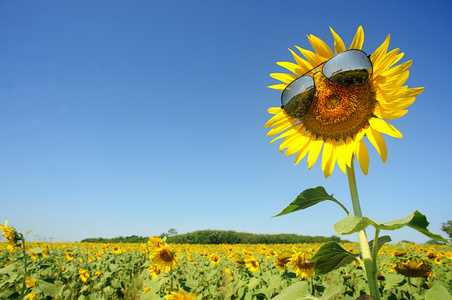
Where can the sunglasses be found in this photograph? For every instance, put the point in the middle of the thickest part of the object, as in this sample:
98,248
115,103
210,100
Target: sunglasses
351,67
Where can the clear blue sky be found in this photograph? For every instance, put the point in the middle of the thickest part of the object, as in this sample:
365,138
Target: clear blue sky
134,117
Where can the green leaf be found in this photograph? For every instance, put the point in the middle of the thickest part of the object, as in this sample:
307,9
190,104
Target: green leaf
26,233
309,198
381,241
329,257
415,220
48,288
331,291
438,291
296,291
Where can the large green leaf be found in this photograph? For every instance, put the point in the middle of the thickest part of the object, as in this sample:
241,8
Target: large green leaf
415,220
295,291
309,198
329,257
381,241
438,291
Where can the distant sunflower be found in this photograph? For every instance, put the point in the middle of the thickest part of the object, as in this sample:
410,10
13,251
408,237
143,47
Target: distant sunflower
340,116
181,295
83,275
300,263
251,263
214,259
164,258
282,259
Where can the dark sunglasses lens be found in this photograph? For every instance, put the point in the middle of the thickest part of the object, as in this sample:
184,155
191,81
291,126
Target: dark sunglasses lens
297,97
351,67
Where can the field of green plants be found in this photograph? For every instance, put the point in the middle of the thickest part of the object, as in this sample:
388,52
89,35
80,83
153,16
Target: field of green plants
157,270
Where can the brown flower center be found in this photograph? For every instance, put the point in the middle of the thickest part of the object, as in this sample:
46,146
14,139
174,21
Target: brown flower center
167,255
339,111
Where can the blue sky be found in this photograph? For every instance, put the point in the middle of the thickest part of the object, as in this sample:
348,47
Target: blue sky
134,117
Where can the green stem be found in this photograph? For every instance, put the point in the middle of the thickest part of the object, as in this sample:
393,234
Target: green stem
24,286
369,265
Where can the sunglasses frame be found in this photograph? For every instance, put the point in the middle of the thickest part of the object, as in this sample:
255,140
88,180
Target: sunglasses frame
313,81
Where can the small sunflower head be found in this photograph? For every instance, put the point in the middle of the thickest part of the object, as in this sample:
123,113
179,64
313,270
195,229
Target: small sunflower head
282,259
300,263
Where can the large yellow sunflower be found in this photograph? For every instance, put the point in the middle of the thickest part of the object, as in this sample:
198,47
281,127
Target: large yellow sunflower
340,116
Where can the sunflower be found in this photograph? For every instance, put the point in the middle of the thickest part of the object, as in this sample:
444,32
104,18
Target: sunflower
282,259
340,116
164,258
11,236
182,295
214,259
252,264
83,275
300,263
412,267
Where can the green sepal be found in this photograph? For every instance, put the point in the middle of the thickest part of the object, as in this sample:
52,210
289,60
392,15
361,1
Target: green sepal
309,198
415,220
329,257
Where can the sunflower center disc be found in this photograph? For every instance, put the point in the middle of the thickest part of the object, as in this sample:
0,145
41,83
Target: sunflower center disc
339,111
166,256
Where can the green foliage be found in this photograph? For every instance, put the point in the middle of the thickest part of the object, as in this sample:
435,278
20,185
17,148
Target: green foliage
233,237
447,228
120,239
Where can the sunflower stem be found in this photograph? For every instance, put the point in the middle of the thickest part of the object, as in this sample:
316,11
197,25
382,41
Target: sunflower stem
369,265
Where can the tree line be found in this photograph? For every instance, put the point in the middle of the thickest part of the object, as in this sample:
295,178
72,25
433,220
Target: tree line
221,237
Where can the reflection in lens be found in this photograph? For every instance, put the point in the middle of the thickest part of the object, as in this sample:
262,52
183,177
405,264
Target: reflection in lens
351,67
297,97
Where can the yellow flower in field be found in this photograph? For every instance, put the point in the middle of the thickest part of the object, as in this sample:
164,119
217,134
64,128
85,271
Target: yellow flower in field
155,242
282,259
33,255
398,253
214,259
11,236
229,272
69,255
83,275
29,283
146,289
31,296
91,258
98,274
300,263
117,250
180,296
338,116
154,271
251,263
164,258
45,251
412,267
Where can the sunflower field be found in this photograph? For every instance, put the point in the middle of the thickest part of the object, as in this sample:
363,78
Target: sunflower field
157,270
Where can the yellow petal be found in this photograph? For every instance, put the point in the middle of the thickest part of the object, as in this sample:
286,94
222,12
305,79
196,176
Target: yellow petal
362,156
304,65
312,58
320,47
302,153
275,110
279,87
358,40
378,142
286,78
315,146
338,43
329,167
384,127
341,156
296,129
276,119
378,54
282,126
326,152
299,144
294,68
